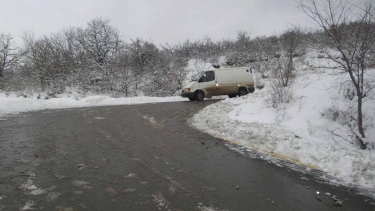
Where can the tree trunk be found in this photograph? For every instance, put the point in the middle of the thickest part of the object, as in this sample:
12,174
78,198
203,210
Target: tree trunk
360,128
42,83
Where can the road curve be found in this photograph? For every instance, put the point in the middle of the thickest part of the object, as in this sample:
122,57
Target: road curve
144,157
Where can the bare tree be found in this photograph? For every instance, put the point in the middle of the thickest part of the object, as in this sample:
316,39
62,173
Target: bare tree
349,42
45,60
8,53
289,54
291,46
143,58
268,47
37,58
177,62
102,43
243,50
123,78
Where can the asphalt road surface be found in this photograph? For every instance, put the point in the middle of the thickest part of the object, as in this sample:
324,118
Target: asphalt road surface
144,157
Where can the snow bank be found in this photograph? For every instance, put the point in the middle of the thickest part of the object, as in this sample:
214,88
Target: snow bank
297,131
15,105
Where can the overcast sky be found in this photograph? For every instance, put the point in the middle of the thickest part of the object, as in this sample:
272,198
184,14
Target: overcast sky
161,21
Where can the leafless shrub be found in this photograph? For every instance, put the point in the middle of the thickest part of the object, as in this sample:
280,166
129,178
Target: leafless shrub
280,93
348,40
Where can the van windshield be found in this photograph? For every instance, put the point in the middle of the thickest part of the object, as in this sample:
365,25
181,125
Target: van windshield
197,76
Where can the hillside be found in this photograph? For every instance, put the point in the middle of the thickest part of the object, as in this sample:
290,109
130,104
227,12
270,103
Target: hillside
311,129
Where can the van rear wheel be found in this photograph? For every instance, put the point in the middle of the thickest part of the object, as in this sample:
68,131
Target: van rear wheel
242,92
199,95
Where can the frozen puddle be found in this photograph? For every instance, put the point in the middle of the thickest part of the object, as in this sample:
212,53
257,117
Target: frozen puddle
210,209
28,206
151,119
81,184
160,201
31,189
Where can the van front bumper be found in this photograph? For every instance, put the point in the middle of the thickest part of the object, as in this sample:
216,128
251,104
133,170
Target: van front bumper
187,94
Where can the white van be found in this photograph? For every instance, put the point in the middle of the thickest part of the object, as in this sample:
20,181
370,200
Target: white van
224,81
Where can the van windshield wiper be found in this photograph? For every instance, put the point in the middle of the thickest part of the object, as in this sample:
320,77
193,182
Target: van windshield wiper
197,76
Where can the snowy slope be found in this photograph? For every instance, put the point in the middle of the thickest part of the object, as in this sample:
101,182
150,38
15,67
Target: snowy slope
296,131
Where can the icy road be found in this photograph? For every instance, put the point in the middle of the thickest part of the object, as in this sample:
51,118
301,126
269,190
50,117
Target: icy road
144,157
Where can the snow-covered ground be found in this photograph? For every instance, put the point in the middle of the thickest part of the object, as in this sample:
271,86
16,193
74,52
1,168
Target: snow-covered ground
14,105
298,131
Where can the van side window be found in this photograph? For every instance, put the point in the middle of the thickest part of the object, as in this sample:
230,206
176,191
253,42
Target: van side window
207,76
210,75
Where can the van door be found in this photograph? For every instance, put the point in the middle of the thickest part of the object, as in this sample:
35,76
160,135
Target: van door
225,82
207,83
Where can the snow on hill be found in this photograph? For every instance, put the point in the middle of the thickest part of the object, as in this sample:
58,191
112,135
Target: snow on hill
301,131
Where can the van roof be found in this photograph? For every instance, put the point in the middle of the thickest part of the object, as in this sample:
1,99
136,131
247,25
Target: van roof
227,68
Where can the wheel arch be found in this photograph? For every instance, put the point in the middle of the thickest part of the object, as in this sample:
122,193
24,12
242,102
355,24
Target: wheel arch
242,87
242,90
200,90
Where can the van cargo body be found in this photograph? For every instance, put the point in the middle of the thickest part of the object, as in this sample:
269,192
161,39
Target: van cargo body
224,81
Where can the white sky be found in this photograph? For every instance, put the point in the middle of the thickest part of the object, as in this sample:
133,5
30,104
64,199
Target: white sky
161,21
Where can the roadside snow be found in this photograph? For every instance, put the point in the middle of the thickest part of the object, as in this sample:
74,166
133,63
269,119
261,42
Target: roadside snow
14,105
296,131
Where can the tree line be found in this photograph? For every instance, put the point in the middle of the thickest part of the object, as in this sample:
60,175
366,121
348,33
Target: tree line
96,59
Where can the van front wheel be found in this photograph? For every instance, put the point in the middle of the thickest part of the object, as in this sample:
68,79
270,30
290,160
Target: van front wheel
199,95
242,92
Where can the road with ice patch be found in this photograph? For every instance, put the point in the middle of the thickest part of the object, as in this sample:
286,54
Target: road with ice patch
144,157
